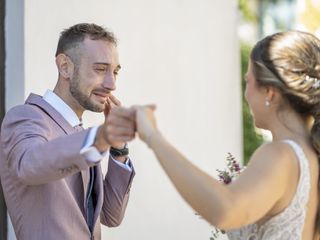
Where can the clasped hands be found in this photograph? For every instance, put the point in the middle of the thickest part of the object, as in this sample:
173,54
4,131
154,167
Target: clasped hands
121,124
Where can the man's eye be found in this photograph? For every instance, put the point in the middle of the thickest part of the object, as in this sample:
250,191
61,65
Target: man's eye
100,69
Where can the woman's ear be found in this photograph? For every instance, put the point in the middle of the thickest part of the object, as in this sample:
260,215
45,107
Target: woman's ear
271,93
65,66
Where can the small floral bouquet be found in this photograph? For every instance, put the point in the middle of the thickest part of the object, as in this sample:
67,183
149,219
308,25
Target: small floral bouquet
232,172
226,176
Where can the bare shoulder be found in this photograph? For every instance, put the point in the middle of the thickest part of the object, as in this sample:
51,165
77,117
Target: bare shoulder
276,155
273,166
266,180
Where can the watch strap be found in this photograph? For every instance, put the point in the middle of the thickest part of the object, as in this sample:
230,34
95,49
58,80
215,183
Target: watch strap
116,152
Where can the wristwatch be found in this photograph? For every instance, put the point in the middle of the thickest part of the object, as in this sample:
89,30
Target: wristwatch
116,152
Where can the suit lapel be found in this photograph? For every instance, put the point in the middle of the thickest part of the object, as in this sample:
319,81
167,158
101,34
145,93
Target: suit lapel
38,101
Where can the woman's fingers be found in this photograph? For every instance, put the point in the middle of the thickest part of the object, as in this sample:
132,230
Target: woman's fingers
122,123
145,120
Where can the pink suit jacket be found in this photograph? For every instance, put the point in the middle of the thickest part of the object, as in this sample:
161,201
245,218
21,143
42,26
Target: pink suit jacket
44,177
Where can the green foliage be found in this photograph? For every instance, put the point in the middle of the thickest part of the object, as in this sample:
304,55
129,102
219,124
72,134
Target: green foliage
251,140
246,11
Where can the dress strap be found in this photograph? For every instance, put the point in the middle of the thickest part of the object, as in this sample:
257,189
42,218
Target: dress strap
303,187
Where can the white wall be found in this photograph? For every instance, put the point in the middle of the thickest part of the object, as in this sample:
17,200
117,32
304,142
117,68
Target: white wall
181,55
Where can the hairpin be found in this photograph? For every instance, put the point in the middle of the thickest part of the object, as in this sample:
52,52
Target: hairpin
315,81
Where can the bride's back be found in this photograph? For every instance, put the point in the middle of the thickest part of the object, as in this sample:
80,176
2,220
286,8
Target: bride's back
309,230
293,216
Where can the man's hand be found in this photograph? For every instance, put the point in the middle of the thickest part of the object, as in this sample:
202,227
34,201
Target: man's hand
118,127
112,102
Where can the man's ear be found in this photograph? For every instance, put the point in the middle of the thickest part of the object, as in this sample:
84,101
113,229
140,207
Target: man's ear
65,66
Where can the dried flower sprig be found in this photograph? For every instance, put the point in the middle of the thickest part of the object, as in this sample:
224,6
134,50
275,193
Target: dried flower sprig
226,176
233,170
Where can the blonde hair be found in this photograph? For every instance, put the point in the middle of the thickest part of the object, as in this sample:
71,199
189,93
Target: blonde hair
290,61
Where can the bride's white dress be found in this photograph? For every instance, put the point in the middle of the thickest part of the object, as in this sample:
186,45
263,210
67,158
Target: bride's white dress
288,224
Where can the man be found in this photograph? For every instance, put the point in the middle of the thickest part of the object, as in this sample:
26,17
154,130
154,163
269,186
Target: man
50,166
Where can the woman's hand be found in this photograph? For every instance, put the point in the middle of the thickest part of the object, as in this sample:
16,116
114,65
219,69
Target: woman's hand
145,122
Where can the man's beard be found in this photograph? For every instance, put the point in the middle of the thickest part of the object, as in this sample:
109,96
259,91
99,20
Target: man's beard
81,98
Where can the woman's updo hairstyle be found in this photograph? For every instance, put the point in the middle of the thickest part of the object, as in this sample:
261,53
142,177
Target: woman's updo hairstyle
290,61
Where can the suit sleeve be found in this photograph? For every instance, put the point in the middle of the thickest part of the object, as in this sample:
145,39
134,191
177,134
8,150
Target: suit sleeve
116,184
30,153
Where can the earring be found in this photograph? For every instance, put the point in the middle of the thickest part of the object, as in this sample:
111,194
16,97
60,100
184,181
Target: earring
267,103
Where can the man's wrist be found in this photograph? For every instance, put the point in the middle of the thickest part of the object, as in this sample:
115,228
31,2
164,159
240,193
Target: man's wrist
100,143
119,152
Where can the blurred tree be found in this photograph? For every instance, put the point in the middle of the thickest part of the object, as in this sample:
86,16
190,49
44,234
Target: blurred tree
310,17
275,15
251,140
247,13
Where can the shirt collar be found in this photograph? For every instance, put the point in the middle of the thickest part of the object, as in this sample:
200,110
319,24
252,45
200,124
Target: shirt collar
61,107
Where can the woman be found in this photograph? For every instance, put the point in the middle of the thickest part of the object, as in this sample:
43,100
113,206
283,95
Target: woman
276,197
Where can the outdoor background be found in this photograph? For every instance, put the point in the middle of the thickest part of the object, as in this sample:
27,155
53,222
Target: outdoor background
188,57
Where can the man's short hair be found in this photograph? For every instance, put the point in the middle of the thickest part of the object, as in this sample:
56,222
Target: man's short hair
76,34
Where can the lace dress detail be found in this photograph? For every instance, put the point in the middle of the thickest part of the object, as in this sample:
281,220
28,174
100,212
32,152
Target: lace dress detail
287,225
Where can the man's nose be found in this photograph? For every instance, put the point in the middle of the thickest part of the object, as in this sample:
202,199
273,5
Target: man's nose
109,82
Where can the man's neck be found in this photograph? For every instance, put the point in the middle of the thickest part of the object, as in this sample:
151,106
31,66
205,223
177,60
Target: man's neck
69,100
62,107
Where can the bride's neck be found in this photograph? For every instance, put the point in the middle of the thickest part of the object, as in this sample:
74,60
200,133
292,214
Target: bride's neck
291,126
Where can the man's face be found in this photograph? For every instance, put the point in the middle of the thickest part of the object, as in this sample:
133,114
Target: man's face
94,74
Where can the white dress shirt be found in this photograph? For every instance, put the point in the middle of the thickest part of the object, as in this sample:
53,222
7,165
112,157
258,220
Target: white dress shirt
89,151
